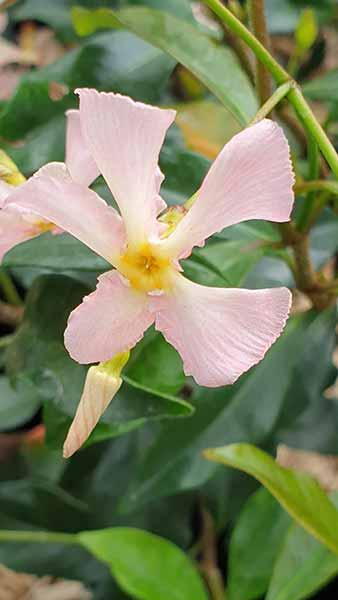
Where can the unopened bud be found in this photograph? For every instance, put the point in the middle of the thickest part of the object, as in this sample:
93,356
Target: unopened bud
102,383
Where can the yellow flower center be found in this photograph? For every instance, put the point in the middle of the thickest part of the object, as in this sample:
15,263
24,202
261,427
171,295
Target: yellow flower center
146,268
44,226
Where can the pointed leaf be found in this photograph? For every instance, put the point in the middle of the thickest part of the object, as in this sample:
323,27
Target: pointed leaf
302,567
214,65
299,494
145,565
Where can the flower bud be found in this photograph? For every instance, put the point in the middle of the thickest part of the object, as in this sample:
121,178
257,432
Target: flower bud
102,383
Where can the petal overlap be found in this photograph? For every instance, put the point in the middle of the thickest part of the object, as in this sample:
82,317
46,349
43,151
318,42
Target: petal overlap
52,194
125,139
79,161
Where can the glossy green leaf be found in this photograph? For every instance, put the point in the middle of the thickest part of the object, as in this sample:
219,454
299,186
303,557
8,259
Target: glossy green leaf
303,566
60,561
146,566
114,61
298,493
214,65
254,546
17,405
223,264
324,87
59,254
297,366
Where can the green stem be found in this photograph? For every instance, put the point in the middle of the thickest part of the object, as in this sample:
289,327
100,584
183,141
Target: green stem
310,122
317,185
8,289
311,206
272,102
6,340
41,537
277,71
280,76
313,158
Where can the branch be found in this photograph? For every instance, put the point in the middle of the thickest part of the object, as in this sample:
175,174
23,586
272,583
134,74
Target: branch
10,315
258,26
280,76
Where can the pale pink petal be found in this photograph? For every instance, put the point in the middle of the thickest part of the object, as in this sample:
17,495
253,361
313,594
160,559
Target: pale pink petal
14,229
99,390
110,320
51,193
125,138
220,333
79,161
5,189
251,178
160,203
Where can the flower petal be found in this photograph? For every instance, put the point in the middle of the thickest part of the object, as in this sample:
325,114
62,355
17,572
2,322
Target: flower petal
79,161
14,229
251,178
110,320
220,333
5,190
125,138
51,193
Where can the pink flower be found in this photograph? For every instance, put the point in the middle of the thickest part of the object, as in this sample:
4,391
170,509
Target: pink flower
18,223
219,333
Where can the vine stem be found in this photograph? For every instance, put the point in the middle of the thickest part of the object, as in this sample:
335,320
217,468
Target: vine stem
317,185
280,76
272,102
42,537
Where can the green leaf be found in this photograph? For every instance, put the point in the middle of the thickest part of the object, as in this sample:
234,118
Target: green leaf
298,493
17,406
303,566
145,565
214,65
60,561
43,504
156,364
324,87
223,264
295,367
117,61
61,254
254,545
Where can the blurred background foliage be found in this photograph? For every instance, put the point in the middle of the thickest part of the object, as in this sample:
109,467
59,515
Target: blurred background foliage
148,471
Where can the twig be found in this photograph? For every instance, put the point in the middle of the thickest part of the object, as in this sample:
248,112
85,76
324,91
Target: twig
8,288
208,563
272,102
258,26
280,76
10,315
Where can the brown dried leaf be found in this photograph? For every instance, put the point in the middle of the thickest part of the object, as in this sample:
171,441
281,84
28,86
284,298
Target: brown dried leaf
322,467
57,91
20,586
